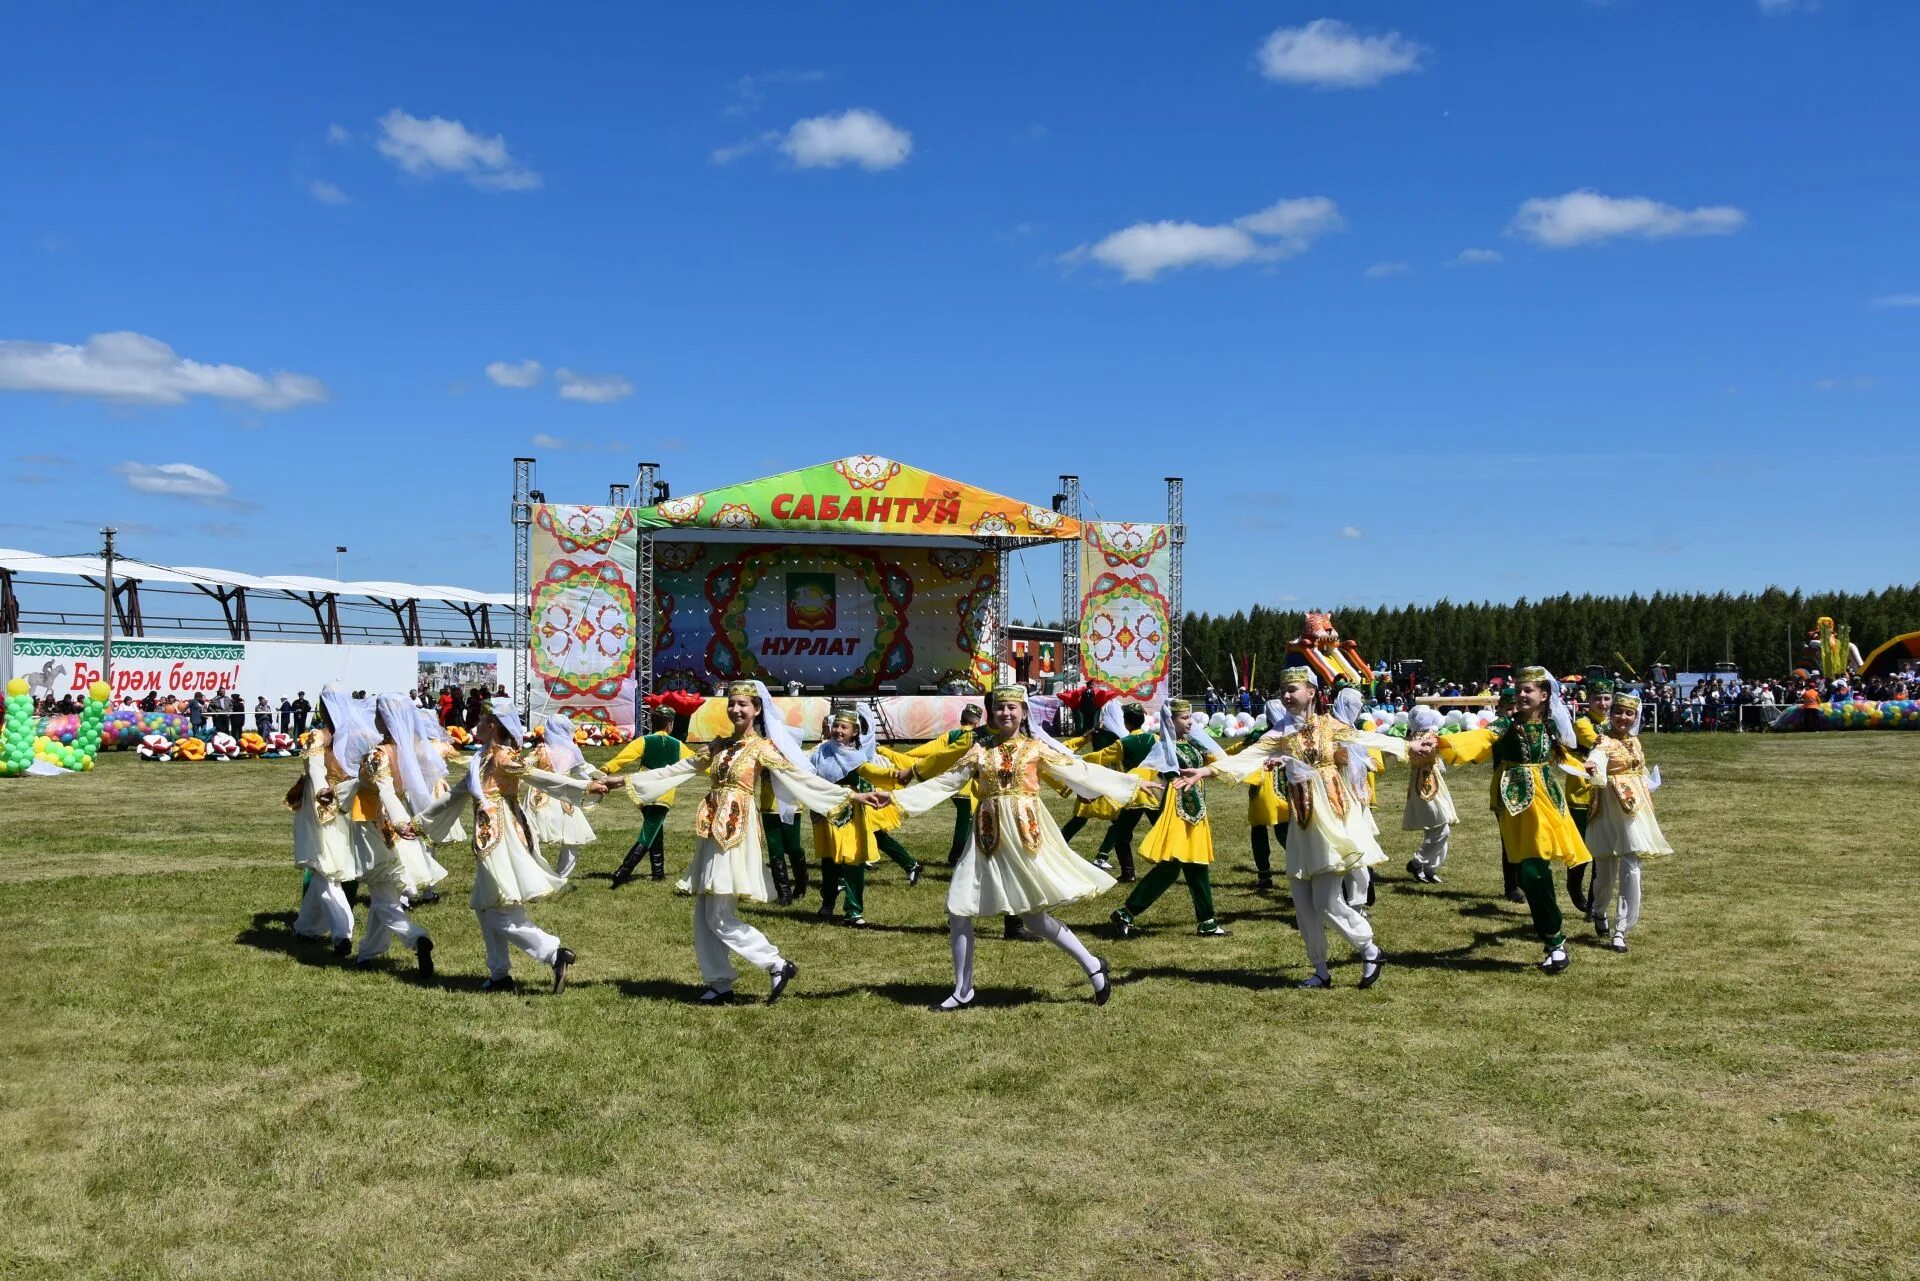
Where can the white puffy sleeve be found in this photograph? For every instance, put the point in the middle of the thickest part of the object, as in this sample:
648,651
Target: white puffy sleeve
1089,781
1245,765
806,790
649,785
921,797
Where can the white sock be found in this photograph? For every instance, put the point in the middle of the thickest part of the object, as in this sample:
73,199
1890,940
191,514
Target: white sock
1061,937
960,935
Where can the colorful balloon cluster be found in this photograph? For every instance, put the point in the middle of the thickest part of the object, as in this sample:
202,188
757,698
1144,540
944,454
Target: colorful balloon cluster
1858,714
16,740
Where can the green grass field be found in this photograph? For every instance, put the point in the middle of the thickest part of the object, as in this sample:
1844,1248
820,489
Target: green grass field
189,1093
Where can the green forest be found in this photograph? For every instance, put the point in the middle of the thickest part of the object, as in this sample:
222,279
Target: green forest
1764,633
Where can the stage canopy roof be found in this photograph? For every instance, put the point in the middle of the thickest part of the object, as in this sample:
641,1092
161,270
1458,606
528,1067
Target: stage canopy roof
864,496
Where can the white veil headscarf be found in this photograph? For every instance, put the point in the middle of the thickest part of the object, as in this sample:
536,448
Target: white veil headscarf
557,736
1562,718
774,728
501,709
834,761
350,720
430,733
1165,759
1113,718
397,711
1423,720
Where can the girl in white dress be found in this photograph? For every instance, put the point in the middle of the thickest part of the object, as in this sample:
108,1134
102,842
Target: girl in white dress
509,872
437,754
562,826
1016,860
322,840
1621,829
1429,809
1329,834
729,855
399,866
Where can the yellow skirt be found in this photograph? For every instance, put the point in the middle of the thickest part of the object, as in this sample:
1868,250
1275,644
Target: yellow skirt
1174,840
853,842
1266,807
1542,830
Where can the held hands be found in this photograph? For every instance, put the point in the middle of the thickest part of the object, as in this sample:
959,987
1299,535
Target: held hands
872,800
601,786
903,776
407,832
324,796
1190,778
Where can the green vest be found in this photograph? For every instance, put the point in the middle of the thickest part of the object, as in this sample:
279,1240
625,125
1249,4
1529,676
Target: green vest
659,750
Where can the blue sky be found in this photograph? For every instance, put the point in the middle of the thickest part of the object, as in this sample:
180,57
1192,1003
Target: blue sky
1332,262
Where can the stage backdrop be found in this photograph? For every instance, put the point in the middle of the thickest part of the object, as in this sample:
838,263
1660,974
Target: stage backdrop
848,619
584,621
1125,634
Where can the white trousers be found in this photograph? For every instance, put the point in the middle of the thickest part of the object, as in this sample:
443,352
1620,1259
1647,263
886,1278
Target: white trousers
1616,890
324,910
500,926
1433,847
1317,903
1039,924
719,935
388,923
569,855
1354,886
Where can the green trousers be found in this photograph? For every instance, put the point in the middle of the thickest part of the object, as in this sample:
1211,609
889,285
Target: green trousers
1156,882
895,850
651,843
845,883
962,829
1263,847
1536,882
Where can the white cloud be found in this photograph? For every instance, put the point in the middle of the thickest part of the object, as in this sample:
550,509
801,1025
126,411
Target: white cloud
1898,300
1381,270
1349,531
524,374
1328,54
177,480
1146,249
858,137
326,193
543,441
1475,258
597,389
1587,217
1789,6
1861,383
338,135
134,368
430,147
745,147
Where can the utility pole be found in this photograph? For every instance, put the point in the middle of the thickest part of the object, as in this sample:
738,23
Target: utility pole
338,552
106,608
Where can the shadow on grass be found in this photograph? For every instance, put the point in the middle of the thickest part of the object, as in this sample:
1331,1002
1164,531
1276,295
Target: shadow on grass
273,932
926,995
1251,980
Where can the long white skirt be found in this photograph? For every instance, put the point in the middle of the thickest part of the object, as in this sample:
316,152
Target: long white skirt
1611,830
512,872
1330,843
1018,880
325,848
405,865
741,871
1422,814
555,826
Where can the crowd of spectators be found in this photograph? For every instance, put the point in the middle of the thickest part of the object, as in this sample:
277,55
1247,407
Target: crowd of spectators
227,712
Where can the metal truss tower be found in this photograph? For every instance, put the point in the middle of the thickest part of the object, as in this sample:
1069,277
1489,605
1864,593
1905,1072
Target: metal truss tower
644,482
1070,668
522,579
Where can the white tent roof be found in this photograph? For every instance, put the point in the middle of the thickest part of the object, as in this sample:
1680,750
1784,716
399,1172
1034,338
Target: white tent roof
21,562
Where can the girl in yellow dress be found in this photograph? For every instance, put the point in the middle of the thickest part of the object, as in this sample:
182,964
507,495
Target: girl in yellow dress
730,853
848,840
1532,759
1181,842
1015,861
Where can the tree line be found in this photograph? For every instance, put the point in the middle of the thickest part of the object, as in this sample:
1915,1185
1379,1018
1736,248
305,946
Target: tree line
1764,633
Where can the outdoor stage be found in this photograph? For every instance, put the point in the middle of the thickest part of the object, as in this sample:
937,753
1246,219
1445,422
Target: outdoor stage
862,579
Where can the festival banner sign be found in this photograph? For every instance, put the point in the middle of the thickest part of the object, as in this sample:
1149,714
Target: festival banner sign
53,666
585,628
864,494
849,619
1126,632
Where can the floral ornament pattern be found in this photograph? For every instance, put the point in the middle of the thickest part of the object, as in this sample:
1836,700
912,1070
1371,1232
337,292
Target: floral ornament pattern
992,525
681,511
585,628
584,529
1126,625
1124,543
1044,519
735,516
867,471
